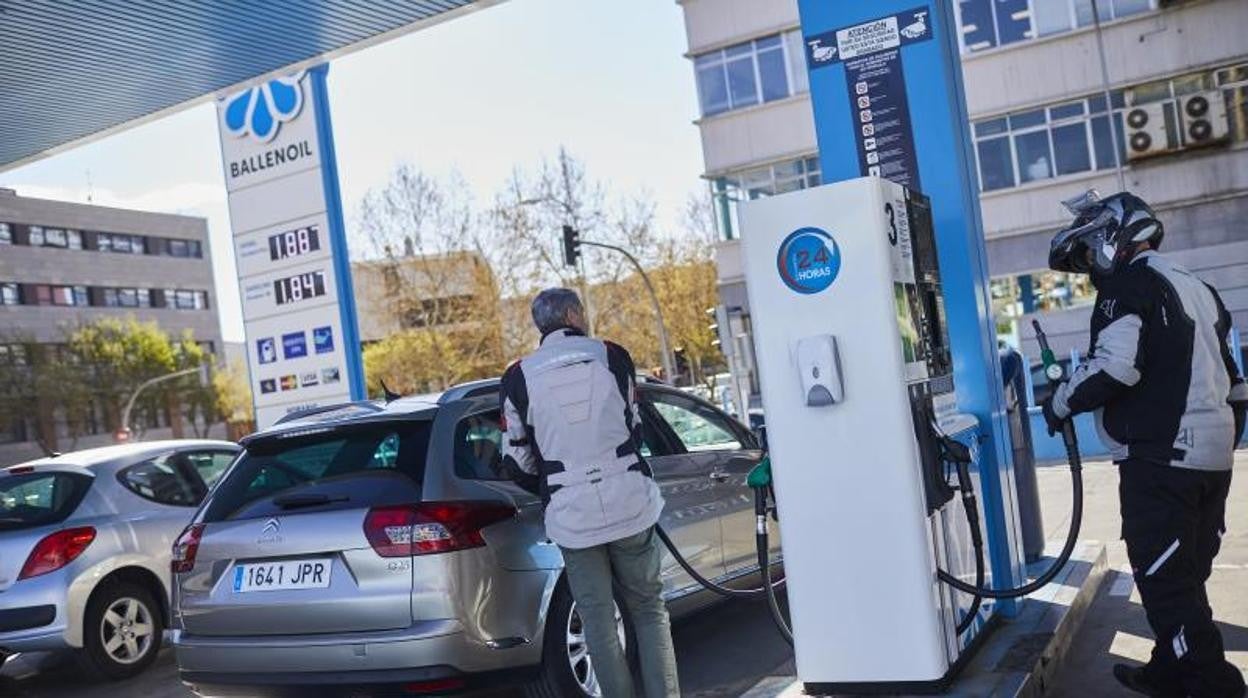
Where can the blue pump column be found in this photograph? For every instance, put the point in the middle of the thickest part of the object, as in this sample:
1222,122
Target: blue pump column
916,109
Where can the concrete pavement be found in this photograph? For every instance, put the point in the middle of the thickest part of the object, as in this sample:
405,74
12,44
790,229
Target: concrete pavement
1115,629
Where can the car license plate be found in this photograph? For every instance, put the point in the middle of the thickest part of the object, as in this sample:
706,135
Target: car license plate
284,574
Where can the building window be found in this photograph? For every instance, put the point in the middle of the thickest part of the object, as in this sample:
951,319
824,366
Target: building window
1038,144
1012,296
757,183
119,242
185,248
989,23
9,294
13,355
61,295
754,72
186,300
1234,84
6,234
127,297
55,237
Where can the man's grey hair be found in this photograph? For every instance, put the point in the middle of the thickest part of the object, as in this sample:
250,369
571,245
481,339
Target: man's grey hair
550,308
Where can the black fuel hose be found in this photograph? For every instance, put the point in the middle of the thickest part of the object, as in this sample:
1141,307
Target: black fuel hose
764,564
726,592
1072,535
971,507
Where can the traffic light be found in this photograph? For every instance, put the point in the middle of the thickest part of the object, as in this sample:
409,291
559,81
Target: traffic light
571,245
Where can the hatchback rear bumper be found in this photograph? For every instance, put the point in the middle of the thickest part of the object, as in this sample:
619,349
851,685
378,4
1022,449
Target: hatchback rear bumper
427,650
32,615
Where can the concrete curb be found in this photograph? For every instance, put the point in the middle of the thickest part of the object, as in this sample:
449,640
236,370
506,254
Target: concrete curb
1021,655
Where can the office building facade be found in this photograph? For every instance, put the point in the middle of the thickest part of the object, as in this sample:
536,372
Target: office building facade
65,264
1168,118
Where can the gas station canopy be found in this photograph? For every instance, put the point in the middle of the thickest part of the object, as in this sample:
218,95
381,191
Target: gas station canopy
72,72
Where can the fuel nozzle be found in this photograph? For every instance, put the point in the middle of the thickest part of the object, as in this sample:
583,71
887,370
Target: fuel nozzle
759,480
1056,374
1052,369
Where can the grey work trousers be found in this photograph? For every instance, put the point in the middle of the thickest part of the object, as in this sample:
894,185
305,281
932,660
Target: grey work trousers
628,567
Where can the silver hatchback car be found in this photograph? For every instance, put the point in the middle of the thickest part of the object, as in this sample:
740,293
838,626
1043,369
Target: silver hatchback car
84,548
376,545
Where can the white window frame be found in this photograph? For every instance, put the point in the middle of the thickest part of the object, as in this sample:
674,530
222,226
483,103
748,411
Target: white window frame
1106,8
719,59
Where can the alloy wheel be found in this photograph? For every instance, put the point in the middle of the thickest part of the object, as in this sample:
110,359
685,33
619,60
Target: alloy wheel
126,630
578,651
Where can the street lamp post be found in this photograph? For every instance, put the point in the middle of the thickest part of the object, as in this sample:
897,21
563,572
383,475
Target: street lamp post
124,433
664,350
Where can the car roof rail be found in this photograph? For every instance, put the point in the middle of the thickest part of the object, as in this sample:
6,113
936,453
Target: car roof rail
464,391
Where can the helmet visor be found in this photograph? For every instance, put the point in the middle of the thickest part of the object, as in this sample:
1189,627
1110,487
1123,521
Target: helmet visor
1083,246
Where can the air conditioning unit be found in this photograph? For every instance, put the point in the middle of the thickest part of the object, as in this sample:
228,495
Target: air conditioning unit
1203,116
1146,130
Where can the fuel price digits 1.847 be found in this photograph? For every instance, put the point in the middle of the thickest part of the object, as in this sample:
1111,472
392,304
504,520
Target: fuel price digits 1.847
299,287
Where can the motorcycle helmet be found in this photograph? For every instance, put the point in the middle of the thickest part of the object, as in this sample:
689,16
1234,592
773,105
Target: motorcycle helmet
1105,233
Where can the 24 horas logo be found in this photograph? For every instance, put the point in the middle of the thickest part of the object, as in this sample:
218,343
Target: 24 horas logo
809,260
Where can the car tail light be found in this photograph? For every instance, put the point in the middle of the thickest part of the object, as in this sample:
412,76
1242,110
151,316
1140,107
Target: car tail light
57,550
431,527
185,548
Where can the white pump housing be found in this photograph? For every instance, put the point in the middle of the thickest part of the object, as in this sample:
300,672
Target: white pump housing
831,273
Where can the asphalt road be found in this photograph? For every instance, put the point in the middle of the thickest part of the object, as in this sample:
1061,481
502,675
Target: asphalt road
725,650
722,651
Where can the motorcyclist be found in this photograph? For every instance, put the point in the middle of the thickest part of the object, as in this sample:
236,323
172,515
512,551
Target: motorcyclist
1170,406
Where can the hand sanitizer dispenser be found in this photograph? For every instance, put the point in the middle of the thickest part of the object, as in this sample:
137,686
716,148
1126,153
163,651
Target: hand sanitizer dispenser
820,367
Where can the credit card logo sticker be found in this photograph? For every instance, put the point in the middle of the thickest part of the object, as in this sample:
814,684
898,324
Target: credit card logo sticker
323,339
295,345
266,349
809,260
330,375
290,382
268,385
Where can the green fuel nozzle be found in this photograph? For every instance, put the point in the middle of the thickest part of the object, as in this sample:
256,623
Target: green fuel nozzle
1046,353
760,475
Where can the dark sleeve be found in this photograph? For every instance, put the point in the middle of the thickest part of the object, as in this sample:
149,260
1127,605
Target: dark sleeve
1239,390
519,453
624,370
1116,358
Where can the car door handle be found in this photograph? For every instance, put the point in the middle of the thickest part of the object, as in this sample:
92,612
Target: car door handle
720,476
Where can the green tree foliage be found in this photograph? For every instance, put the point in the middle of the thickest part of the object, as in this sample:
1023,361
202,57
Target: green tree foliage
83,383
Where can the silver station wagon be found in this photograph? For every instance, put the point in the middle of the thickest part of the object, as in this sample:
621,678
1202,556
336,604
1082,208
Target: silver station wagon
377,546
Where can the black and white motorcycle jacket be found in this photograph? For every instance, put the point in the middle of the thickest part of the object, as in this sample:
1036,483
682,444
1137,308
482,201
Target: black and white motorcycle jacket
571,420
1159,374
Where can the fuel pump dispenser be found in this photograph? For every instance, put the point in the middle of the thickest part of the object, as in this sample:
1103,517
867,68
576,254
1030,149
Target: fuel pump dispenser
857,385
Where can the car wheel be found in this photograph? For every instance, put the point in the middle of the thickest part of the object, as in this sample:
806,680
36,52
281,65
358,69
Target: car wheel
122,631
567,667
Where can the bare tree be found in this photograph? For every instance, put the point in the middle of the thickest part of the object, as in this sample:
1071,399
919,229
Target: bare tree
430,289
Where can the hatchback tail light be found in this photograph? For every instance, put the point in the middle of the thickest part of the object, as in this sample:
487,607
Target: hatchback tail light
185,548
57,550
431,527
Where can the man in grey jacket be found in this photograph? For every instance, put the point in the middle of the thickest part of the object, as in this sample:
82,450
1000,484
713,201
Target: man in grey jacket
572,430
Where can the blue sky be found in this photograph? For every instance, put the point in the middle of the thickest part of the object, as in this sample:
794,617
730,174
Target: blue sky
481,94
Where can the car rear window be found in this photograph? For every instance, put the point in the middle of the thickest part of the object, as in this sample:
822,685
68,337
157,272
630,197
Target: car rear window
38,499
339,468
